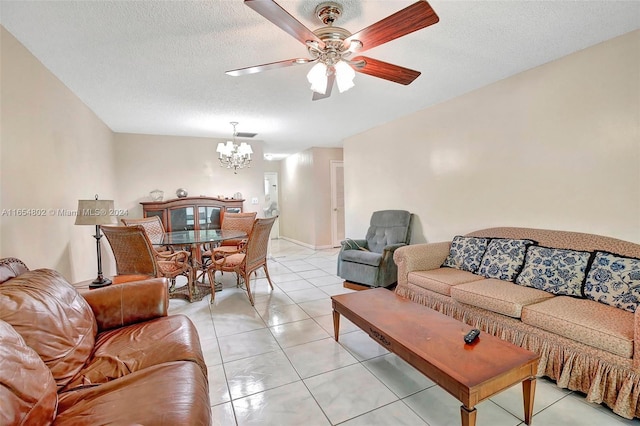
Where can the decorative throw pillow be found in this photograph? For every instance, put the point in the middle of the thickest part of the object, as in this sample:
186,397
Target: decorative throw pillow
504,258
614,280
556,271
466,253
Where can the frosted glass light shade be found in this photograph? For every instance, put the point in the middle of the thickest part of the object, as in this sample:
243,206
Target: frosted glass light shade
317,77
344,76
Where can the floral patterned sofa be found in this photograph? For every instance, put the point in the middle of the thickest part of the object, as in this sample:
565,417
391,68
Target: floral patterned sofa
570,297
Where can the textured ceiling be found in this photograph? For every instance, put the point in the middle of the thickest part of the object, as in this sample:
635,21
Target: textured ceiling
158,67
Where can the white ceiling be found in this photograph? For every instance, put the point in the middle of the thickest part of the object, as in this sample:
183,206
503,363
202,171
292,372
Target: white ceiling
157,67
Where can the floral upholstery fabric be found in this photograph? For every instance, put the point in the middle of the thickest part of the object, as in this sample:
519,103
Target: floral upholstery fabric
594,324
557,271
604,377
504,258
442,279
614,280
498,296
466,253
231,261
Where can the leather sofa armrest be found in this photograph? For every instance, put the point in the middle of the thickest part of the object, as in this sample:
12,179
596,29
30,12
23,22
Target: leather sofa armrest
419,257
123,304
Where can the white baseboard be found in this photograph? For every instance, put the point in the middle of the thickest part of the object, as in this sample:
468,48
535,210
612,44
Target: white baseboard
300,243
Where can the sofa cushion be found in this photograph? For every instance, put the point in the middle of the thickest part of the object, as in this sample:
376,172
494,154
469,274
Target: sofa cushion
181,399
27,389
594,324
498,296
135,347
52,318
504,258
442,279
557,271
614,280
360,256
466,253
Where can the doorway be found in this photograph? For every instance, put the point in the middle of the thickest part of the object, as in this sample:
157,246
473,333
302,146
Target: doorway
271,206
337,202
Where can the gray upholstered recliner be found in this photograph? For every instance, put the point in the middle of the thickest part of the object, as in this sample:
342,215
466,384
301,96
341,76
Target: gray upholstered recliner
374,266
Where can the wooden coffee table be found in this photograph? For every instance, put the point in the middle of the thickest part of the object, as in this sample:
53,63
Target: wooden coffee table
433,343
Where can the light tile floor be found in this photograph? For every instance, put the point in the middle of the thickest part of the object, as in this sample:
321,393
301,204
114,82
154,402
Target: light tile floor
277,364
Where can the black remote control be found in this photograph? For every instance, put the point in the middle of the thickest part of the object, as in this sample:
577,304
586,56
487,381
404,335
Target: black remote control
472,335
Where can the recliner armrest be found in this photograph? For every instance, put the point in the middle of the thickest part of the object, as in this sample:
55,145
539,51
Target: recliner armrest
391,248
119,305
353,244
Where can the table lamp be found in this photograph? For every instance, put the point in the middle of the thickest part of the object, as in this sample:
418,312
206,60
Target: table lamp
96,212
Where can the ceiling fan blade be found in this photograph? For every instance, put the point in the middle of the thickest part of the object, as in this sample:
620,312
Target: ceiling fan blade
384,70
283,19
271,66
330,80
412,18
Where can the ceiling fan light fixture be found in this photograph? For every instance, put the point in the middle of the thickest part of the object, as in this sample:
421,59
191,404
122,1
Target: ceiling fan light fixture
317,77
344,76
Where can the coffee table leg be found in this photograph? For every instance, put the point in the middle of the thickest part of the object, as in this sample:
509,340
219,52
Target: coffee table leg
468,416
336,324
528,393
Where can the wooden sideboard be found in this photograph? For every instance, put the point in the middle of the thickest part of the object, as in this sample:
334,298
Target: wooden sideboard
191,213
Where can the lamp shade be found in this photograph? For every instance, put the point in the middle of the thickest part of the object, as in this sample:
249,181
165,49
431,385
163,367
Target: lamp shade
95,212
245,149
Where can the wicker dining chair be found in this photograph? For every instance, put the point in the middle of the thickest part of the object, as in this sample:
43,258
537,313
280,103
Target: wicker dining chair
153,227
135,255
231,222
252,257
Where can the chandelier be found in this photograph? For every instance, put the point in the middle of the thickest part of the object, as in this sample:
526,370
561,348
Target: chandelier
233,155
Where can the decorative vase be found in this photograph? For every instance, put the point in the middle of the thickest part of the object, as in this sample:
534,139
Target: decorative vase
156,195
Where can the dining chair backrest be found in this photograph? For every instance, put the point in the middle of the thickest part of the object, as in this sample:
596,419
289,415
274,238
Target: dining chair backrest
258,242
132,249
152,225
237,222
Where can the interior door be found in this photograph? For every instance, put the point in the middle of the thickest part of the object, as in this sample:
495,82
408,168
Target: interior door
337,202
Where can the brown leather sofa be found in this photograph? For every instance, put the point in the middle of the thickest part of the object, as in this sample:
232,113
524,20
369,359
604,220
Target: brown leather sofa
106,356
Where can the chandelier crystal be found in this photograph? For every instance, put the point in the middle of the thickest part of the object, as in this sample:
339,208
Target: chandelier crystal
232,155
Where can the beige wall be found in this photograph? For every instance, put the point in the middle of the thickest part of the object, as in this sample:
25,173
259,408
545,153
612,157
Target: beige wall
54,151
305,196
554,147
148,162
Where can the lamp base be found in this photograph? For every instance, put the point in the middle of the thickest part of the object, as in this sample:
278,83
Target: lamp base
100,282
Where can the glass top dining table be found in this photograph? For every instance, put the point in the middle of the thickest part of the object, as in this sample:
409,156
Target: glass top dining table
196,242
202,236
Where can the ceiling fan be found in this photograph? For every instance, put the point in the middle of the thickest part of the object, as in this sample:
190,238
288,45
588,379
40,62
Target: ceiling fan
331,47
